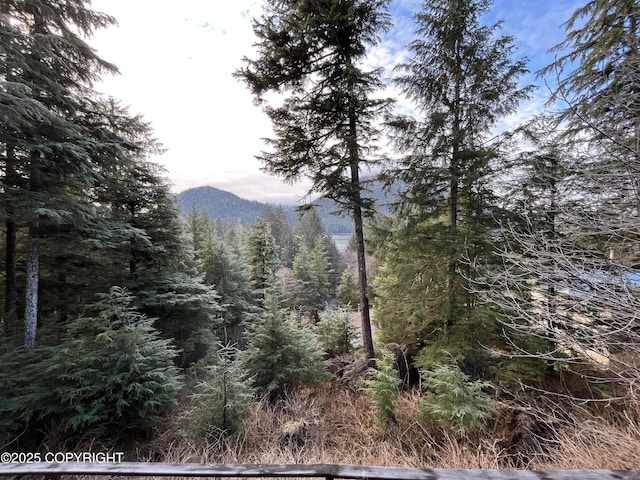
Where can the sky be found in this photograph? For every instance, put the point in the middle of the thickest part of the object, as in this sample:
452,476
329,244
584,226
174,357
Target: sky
176,61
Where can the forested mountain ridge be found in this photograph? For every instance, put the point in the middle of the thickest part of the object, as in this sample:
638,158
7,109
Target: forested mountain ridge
230,208
221,204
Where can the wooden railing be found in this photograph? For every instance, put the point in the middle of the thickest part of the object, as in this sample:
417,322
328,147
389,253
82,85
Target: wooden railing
141,469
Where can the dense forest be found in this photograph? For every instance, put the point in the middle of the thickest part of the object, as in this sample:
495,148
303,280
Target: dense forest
487,319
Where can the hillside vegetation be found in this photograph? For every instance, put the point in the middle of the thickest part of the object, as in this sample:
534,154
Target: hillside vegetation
487,319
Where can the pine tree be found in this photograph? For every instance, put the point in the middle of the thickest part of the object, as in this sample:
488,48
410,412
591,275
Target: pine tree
462,80
325,129
111,375
281,356
51,148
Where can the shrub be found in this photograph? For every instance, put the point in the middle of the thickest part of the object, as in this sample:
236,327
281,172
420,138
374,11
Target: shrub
220,398
281,355
336,333
382,389
452,401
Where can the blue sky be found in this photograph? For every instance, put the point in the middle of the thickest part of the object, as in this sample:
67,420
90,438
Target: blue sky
176,62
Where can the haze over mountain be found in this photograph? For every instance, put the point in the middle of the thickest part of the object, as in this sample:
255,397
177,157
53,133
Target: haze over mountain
231,208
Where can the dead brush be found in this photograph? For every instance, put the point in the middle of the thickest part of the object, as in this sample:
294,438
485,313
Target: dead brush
594,443
336,425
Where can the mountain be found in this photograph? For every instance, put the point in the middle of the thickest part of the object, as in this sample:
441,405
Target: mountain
231,209
220,204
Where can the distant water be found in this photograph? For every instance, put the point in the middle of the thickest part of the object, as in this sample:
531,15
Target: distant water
341,241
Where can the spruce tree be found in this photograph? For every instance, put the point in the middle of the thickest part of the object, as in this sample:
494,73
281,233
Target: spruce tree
282,234
461,78
263,260
308,289
581,274
325,129
281,356
221,397
50,146
452,401
309,230
111,375
229,275
383,389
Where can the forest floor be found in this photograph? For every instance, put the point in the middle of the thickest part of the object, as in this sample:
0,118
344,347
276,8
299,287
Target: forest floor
336,424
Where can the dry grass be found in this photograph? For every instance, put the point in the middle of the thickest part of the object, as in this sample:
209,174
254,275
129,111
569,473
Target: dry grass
593,443
338,426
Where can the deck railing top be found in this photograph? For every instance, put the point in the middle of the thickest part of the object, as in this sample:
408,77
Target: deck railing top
146,469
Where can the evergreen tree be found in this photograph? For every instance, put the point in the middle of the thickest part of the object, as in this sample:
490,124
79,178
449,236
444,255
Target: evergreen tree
143,247
310,230
462,80
198,227
111,375
165,278
262,258
221,397
282,234
46,73
336,333
236,238
54,148
348,290
581,274
601,99
453,401
384,388
281,355
325,128
309,288
603,39
230,276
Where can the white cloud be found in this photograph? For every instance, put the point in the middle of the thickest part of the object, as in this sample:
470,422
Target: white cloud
176,69
177,62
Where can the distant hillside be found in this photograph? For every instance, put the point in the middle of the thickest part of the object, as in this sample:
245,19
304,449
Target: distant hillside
220,204
230,208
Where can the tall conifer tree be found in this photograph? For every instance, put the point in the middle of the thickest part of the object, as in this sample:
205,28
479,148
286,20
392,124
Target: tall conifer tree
325,128
461,79
46,74
582,276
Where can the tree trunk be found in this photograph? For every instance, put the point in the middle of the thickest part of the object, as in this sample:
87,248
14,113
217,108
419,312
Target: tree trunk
365,315
31,294
11,285
354,163
356,203
455,169
33,263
